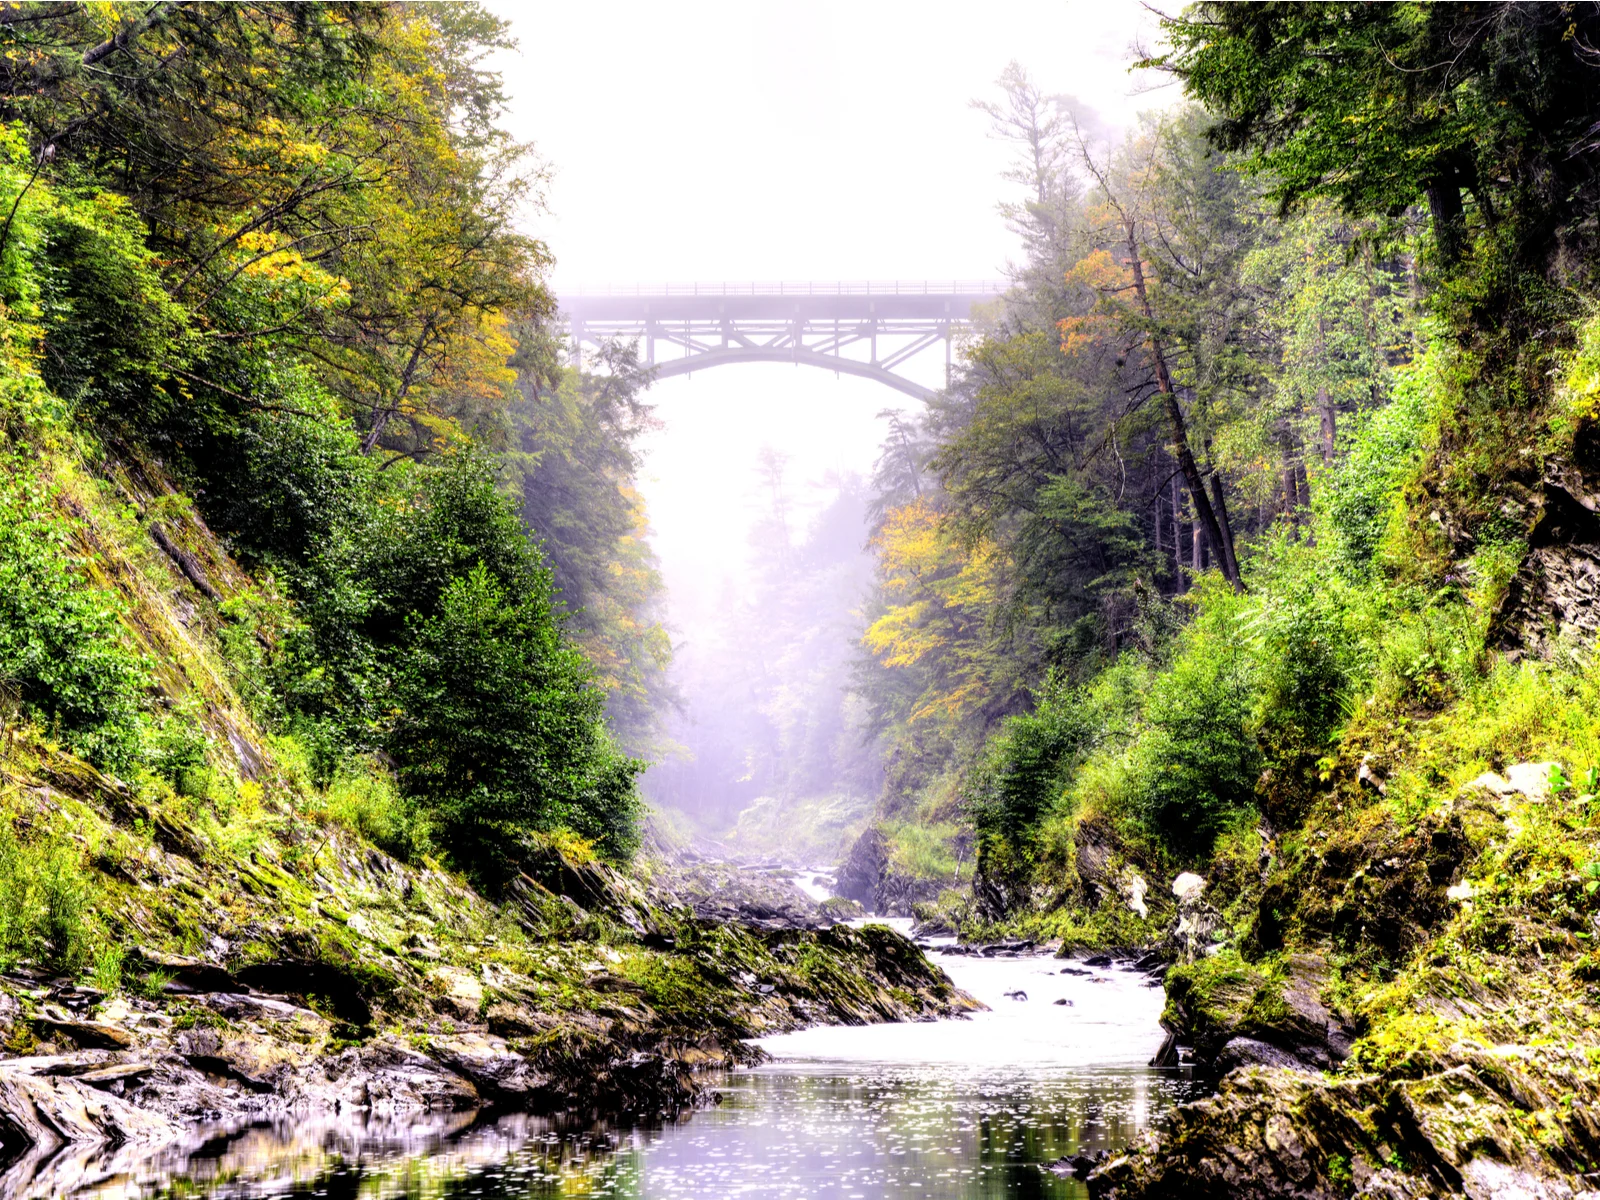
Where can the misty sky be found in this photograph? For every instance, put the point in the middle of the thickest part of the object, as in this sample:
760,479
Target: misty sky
818,141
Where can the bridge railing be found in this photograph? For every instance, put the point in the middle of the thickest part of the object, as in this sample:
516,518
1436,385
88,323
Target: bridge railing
841,287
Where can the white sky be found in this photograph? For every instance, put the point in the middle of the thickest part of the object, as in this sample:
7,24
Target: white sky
763,140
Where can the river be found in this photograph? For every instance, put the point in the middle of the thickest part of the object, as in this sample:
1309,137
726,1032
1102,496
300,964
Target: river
967,1109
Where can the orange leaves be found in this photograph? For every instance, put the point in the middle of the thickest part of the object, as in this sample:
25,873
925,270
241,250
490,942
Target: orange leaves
1100,273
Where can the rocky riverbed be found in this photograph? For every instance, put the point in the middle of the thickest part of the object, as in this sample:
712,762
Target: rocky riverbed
313,975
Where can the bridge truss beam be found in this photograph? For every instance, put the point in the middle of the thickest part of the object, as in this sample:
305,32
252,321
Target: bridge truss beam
863,330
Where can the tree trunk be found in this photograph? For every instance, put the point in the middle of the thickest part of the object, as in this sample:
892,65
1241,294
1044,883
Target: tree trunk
1329,422
1182,584
1291,484
1325,406
1230,564
1305,498
1205,515
382,415
1444,203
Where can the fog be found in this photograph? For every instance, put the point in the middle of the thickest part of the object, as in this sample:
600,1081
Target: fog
824,141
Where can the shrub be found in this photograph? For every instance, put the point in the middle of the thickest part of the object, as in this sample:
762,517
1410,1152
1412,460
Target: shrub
368,802
112,330
1028,761
1359,496
1198,760
1312,643
285,486
61,640
178,754
1030,764
500,730
44,901
923,852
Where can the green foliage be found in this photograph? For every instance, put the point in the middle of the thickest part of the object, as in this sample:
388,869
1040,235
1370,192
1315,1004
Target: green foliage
573,467
499,728
1362,492
285,486
367,802
381,569
44,903
62,647
1380,106
922,851
111,330
1199,759
1029,761
178,753
1310,645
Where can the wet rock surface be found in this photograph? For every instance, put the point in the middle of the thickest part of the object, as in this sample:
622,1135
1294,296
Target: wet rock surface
359,984
1466,1068
1283,1133
720,891
868,877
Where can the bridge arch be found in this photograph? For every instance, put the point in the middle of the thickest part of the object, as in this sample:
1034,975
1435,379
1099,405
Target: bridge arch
828,362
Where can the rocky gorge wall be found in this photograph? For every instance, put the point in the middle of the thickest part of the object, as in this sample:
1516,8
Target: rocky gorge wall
1390,1008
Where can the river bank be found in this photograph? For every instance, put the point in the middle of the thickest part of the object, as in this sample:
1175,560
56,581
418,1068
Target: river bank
271,987
976,1106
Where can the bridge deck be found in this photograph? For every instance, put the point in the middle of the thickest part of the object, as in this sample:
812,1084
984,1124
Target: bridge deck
717,302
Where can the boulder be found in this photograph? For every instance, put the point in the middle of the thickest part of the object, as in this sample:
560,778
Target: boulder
864,867
719,891
457,992
38,1110
1195,924
1454,1126
91,1035
188,974
1235,1014
1133,888
497,1072
386,1077
1252,1052
1531,779
841,908
1553,600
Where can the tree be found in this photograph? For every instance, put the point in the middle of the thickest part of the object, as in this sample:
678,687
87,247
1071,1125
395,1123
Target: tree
1170,242
1338,316
1484,112
499,728
327,176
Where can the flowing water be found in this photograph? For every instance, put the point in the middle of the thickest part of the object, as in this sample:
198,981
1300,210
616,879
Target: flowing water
945,1110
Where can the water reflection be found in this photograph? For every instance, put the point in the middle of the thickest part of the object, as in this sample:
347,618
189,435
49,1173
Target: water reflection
898,1132
967,1110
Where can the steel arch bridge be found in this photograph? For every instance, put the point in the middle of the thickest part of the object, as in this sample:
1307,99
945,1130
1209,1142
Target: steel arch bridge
867,329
